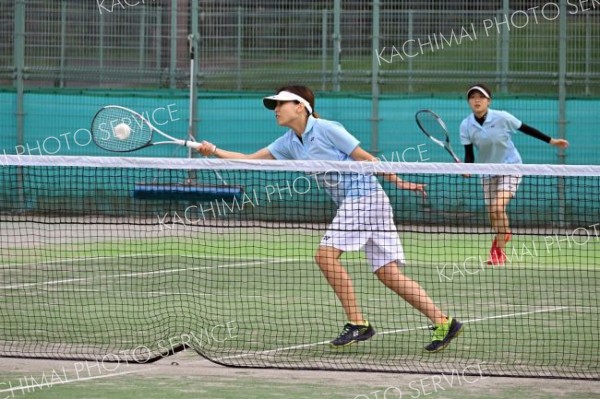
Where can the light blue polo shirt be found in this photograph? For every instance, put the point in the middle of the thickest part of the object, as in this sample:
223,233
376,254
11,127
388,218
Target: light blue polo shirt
325,140
493,139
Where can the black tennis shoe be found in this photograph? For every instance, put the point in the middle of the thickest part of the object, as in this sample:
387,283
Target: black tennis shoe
353,333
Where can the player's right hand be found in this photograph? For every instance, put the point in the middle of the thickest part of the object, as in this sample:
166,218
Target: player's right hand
207,149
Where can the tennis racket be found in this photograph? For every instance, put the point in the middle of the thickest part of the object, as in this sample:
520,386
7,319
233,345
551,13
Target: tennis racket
434,127
120,129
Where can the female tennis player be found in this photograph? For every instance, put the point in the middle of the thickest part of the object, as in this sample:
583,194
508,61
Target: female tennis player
364,217
491,131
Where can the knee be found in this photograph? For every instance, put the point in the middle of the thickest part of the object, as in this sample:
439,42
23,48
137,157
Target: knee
387,271
493,215
325,255
496,211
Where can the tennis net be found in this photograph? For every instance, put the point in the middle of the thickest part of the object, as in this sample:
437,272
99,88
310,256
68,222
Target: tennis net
132,259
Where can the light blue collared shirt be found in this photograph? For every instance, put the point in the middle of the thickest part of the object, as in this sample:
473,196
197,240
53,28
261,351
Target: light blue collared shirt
493,139
325,140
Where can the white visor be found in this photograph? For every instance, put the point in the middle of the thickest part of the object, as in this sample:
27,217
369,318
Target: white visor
271,101
479,89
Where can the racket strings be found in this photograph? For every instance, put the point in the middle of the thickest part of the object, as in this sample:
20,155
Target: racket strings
432,126
107,135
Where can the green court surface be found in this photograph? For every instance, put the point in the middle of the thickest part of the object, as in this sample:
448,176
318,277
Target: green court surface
254,297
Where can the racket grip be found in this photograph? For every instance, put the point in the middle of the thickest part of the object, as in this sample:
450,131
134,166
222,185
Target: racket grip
192,144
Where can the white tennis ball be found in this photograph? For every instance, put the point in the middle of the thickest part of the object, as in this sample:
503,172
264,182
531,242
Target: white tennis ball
122,131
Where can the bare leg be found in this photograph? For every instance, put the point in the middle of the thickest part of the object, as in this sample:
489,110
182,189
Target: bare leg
328,259
499,218
391,276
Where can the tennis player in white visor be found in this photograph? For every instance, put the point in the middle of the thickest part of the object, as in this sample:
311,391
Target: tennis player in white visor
490,132
364,218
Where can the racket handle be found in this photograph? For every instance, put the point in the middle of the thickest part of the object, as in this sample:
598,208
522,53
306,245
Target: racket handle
192,144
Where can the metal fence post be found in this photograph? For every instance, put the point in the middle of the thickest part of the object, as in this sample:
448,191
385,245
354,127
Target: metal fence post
562,104
159,28
410,48
375,81
323,49
588,53
505,57
562,79
193,73
142,40
101,47
337,45
63,41
240,31
173,45
19,59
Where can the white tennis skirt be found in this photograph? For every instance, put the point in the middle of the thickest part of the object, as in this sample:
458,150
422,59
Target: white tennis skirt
366,222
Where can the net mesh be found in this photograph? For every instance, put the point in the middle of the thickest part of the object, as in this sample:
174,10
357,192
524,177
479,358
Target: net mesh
92,271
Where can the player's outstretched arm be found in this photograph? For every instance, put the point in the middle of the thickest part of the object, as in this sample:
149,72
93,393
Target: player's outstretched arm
533,132
209,149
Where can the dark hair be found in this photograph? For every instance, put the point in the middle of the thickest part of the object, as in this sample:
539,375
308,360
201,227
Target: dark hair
304,92
472,88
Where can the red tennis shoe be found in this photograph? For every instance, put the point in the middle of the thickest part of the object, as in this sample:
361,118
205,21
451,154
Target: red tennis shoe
497,257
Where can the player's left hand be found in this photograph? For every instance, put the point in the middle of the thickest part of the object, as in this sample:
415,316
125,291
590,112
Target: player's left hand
420,188
417,187
560,143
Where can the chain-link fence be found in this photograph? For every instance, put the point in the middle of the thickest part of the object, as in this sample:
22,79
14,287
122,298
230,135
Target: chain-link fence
420,47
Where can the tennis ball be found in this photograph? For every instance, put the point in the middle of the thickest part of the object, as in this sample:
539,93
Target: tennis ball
122,131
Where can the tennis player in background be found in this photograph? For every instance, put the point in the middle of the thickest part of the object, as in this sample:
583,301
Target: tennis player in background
490,132
364,217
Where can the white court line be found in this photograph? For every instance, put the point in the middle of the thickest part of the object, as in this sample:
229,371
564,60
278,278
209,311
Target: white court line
73,260
556,309
18,286
139,255
392,332
146,293
56,282
50,384
522,266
